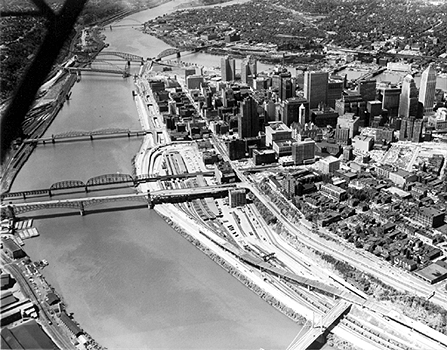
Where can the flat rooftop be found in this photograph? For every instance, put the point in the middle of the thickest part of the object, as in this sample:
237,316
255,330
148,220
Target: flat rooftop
278,126
432,272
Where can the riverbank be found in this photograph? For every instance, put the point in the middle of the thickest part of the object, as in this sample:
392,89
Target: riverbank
267,297
19,157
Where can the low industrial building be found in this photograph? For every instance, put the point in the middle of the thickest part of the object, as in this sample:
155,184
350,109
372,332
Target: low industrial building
13,249
430,217
334,192
264,157
70,324
432,274
28,335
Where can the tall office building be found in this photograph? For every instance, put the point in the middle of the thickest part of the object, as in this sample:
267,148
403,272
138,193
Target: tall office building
367,89
315,88
288,89
290,110
302,151
302,115
248,69
408,104
427,89
248,119
390,99
227,68
334,92
417,130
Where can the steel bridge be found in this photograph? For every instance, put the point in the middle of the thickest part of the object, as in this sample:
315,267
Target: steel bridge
90,135
106,180
150,198
173,50
99,66
123,55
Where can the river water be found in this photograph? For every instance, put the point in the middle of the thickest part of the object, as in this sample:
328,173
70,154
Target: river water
131,281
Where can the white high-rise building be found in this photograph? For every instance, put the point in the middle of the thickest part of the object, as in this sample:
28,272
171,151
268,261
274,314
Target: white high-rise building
427,89
302,115
227,68
408,104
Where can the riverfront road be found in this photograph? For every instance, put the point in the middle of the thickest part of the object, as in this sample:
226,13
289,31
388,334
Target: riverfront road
307,238
44,319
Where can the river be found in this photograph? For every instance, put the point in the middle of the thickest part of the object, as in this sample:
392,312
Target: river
131,281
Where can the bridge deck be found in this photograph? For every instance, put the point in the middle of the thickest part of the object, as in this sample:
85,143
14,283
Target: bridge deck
80,202
93,134
313,333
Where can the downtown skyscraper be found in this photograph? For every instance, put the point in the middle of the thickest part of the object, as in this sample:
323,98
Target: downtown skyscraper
408,104
427,89
248,69
227,68
248,119
315,88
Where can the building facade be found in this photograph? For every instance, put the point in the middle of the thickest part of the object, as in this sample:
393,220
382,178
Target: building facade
428,89
408,103
228,68
315,88
303,151
248,119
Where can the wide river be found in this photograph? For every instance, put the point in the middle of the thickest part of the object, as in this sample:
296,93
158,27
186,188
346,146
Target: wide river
131,281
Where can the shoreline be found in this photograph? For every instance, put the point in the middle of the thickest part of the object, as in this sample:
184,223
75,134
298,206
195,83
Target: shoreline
252,286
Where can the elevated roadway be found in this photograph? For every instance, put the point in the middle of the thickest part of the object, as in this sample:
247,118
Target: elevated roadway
327,322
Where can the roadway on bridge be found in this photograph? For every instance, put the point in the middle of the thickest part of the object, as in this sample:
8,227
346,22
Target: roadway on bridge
159,195
314,332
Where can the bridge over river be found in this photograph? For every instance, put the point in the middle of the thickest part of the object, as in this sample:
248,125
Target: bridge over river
92,135
150,198
106,181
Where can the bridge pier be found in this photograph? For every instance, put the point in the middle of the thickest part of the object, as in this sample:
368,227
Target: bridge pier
81,209
9,212
91,137
150,202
